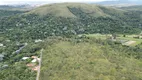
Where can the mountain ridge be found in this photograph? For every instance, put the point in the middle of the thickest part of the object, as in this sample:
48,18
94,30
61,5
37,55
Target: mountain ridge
64,9
119,2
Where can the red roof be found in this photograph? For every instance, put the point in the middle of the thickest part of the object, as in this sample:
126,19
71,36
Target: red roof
35,68
34,57
30,65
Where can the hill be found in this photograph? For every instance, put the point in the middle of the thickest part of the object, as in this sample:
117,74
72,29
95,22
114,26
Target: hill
68,19
121,2
58,30
71,10
89,60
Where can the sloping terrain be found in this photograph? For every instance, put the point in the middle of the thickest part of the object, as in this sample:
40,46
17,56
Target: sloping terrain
55,28
70,60
67,19
70,10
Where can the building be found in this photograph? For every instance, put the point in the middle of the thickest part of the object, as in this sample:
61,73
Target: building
34,60
34,57
25,58
1,57
39,40
1,45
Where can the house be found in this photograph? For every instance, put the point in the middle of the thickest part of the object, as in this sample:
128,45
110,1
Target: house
1,57
39,40
34,60
25,58
1,45
38,59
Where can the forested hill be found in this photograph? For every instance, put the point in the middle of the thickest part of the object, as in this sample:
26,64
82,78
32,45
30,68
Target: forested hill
67,55
9,10
67,19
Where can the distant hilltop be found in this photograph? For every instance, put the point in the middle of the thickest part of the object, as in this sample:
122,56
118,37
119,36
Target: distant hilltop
118,2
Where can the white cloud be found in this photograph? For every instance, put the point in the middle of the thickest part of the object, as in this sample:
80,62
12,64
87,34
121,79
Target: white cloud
43,1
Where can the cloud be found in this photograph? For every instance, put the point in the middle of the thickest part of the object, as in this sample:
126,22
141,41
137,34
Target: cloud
46,1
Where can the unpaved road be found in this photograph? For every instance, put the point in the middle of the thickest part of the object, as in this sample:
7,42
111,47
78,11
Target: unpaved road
38,72
130,43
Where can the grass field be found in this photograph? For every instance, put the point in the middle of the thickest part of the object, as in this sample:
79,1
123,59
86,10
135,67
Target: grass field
127,38
130,38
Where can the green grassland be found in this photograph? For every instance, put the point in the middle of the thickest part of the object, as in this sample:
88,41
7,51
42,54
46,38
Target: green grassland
69,60
130,38
72,9
119,38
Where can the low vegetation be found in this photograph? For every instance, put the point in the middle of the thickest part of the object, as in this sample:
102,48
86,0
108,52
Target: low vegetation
90,59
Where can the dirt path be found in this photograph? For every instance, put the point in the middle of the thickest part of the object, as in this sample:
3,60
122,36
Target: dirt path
129,42
38,73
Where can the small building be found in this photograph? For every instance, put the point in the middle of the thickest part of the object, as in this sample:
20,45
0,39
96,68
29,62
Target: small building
34,57
39,40
1,57
25,58
38,59
1,45
34,60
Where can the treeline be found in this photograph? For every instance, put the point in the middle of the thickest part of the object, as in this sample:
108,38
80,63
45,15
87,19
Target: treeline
5,13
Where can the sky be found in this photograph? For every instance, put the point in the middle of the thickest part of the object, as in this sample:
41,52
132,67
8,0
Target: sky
5,2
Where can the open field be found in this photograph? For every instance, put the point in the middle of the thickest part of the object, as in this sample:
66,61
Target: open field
130,38
127,40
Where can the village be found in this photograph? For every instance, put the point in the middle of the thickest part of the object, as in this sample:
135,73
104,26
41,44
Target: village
34,64
33,60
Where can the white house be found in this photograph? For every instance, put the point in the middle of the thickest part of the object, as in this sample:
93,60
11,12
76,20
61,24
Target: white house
1,45
25,58
39,40
34,60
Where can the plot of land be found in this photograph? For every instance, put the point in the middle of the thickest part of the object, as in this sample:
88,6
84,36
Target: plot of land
129,43
128,40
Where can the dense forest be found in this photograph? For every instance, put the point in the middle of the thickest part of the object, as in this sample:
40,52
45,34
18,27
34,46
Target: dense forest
67,55
5,13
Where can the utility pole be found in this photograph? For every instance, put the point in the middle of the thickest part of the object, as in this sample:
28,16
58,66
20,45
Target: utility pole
38,72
